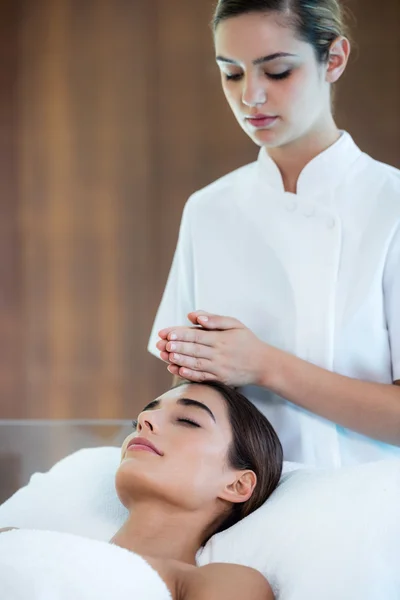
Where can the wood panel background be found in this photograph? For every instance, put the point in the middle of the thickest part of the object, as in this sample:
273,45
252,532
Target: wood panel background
110,116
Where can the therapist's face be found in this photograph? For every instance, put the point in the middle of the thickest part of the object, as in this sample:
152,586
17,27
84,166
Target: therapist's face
289,89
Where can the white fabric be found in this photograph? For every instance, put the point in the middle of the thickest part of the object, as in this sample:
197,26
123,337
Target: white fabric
76,496
316,274
43,565
322,532
392,302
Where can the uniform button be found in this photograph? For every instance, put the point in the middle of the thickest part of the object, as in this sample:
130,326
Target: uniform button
309,211
291,206
330,223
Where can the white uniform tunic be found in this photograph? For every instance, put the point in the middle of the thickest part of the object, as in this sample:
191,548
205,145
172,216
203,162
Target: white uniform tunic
316,274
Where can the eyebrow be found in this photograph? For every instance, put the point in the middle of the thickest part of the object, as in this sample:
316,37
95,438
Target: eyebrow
196,404
151,405
257,61
183,402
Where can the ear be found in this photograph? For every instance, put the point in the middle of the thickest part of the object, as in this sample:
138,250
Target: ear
241,489
338,58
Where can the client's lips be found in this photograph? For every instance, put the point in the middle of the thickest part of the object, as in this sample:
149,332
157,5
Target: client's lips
141,443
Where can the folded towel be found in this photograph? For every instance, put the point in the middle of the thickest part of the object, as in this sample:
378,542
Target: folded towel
76,496
44,565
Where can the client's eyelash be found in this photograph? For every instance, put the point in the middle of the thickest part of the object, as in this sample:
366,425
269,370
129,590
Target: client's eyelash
134,423
189,422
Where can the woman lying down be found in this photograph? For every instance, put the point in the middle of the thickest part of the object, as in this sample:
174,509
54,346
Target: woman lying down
201,458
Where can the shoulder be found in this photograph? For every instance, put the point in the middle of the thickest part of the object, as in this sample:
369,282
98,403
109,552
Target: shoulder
390,173
374,190
222,188
222,580
370,168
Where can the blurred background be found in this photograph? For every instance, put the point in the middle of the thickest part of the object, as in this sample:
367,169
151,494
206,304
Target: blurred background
111,114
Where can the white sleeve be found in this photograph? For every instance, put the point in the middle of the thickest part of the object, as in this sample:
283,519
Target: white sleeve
178,298
391,288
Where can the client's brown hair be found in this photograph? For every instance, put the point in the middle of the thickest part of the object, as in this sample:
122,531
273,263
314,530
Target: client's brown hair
255,446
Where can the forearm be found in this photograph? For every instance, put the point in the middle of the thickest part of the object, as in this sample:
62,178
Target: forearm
372,409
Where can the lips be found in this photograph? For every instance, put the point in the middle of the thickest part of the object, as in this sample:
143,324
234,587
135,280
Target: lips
261,120
140,443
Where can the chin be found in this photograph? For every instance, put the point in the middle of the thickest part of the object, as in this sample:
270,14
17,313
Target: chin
267,138
271,137
134,480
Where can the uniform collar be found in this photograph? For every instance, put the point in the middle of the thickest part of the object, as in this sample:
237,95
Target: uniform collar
325,172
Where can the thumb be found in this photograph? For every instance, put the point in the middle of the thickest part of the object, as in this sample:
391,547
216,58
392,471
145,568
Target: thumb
210,321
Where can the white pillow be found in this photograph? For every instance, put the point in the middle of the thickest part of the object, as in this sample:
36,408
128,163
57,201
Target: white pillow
322,535
331,535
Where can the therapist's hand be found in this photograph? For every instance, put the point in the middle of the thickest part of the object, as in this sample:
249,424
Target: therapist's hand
216,348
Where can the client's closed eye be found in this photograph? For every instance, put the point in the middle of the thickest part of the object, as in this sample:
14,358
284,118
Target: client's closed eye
188,422
134,423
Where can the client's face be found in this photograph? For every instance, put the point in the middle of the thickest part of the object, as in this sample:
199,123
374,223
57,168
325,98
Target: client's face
178,451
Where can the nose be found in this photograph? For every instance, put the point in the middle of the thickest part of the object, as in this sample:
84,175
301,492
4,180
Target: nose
254,92
147,421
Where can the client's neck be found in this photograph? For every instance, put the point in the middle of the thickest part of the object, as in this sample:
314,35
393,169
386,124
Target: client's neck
160,531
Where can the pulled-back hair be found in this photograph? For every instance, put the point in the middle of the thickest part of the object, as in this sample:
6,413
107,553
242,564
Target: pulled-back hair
318,22
255,446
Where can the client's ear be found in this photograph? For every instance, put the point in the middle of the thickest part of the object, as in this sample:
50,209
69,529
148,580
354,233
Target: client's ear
241,489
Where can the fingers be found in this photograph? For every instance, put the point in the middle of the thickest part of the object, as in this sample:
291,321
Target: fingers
210,321
205,320
190,375
191,363
187,348
162,345
184,354
193,335
163,333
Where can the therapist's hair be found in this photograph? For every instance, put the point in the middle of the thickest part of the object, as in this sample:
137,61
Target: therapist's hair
318,22
255,446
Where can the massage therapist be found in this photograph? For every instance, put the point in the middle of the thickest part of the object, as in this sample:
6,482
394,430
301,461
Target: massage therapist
296,257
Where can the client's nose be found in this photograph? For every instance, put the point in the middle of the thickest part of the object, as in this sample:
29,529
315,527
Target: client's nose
147,424
147,421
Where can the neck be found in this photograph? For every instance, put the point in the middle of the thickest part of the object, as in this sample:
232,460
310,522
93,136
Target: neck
293,157
162,532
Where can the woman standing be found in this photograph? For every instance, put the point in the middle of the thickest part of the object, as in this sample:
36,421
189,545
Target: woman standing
296,257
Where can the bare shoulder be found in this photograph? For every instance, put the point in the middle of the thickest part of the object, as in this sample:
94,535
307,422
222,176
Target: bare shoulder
220,581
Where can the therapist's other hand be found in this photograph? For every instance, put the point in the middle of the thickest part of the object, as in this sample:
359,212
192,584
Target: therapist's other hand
216,348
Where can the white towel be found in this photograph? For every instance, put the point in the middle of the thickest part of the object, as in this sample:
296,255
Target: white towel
76,496
44,565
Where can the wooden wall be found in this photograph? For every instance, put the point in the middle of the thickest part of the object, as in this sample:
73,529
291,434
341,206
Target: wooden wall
110,116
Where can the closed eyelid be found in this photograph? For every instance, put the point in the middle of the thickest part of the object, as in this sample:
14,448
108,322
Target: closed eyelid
197,405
